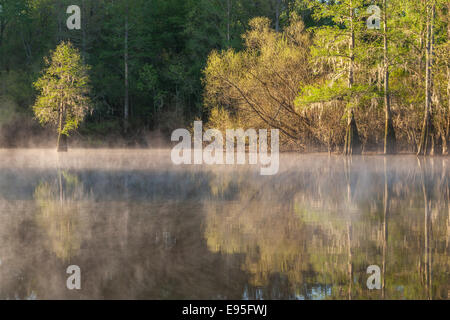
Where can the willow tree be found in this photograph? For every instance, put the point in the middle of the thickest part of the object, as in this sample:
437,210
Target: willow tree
258,84
63,89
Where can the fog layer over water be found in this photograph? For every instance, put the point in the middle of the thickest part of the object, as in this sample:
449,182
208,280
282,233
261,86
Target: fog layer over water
140,227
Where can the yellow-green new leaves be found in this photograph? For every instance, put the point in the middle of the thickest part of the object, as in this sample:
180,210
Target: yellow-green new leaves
63,90
260,83
322,93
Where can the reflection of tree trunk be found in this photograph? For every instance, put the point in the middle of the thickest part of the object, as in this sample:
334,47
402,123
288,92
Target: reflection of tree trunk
61,192
446,195
348,178
448,219
125,217
427,231
350,265
347,170
387,200
444,166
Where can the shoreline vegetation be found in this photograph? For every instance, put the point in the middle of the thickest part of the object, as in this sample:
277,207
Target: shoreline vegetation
168,146
344,77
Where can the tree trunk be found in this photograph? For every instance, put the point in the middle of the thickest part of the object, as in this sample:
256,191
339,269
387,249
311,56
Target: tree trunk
352,141
389,133
445,142
61,145
2,55
277,15
445,138
228,22
126,102
83,31
426,145
59,33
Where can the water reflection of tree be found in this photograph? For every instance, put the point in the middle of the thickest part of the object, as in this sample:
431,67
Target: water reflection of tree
59,204
126,246
203,235
272,230
433,182
317,241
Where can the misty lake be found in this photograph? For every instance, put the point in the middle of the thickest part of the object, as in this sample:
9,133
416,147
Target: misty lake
141,228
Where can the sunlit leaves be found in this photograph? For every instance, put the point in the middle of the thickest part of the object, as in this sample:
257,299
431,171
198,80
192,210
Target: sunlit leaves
261,82
63,90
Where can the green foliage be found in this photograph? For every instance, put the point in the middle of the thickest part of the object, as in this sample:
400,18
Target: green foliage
180,52
8,110
334,91
63,90
259,83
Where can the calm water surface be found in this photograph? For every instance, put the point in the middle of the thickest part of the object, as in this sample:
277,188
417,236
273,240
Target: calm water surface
140,228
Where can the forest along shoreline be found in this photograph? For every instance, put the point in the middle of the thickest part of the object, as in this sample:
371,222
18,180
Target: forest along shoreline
332,76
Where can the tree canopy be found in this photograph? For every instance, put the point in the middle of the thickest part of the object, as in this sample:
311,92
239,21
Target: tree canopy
63,89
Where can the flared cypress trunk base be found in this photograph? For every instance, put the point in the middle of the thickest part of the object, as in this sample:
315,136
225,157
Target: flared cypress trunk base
390,141
62,143
444,145
427,143
352,142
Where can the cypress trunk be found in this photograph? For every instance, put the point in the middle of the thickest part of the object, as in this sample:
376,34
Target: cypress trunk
427,141
445,135
352,141
389,132
228,22
126,110
277,16
61,145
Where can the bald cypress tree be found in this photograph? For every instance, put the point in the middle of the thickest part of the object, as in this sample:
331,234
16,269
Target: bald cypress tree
336,47
389,132
63,92
427,138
